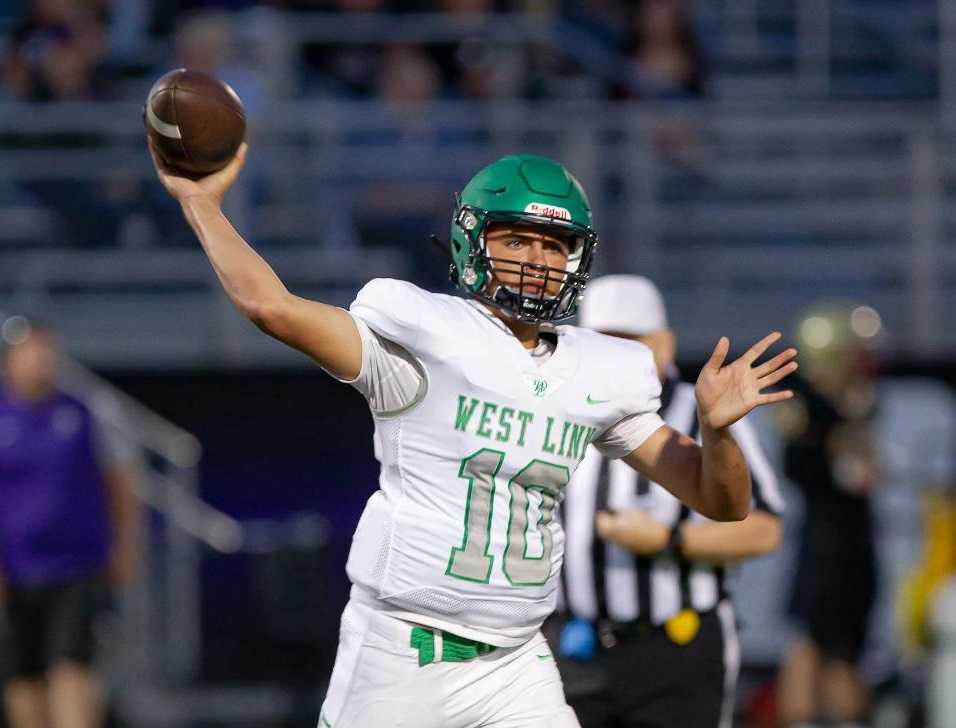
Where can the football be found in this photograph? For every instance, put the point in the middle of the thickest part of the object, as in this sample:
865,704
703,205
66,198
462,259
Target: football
195,121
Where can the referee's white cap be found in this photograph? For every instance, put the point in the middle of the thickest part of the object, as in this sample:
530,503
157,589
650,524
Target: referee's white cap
624,304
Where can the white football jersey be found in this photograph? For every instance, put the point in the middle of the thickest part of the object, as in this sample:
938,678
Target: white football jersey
461,534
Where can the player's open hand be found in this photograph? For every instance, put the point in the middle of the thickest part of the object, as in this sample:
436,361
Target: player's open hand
212,186
727,393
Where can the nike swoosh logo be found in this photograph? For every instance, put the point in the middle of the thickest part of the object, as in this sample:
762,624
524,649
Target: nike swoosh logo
544,657
597,401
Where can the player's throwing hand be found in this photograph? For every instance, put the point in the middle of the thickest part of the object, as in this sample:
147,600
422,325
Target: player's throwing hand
213,186
727,393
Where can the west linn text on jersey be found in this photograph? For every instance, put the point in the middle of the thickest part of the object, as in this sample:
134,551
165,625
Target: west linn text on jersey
507,424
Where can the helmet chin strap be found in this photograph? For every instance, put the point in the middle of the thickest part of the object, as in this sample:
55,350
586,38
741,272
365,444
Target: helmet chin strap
515,305
515,290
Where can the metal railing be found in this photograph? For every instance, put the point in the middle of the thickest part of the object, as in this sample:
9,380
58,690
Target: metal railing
807,43
153,648
161,610
743,214
161,614
818,48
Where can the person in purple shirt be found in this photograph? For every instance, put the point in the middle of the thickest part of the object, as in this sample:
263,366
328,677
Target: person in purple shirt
68,525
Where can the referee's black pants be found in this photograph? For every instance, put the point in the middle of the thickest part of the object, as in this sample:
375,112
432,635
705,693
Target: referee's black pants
650,682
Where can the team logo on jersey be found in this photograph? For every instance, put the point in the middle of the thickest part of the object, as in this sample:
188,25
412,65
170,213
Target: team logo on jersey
540,386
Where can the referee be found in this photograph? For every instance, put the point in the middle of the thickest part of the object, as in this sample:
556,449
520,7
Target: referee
647,634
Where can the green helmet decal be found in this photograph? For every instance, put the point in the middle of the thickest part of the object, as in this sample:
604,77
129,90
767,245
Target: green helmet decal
524,189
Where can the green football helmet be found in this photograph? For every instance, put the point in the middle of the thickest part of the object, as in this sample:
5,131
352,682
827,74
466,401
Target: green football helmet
531,190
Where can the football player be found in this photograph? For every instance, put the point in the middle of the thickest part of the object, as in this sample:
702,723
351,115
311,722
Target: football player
483,408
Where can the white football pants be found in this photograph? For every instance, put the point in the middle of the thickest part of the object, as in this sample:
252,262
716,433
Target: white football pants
378,683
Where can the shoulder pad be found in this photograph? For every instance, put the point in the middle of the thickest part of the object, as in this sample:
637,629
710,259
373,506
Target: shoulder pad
392,308
622,370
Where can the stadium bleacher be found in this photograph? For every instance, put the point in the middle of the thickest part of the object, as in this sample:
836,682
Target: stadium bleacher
804,143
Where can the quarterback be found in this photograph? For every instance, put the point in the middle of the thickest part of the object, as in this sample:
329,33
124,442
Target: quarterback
483,408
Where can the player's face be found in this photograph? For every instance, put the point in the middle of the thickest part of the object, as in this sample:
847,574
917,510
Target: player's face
31,366
527,244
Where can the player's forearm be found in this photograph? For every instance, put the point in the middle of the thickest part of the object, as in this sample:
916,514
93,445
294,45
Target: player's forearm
248,280
326,333
725,477
722,543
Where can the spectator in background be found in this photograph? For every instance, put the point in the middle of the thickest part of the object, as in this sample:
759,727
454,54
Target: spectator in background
68,531
213,41
406,210
830,455
56,54
347,69
408,81
55,50
483,69
208,42
665,58
202,41
665,63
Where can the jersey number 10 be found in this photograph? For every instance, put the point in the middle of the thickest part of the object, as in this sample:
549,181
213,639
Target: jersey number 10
471,561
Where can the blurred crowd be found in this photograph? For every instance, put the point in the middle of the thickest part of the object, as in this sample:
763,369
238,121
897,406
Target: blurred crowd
113,50
100,49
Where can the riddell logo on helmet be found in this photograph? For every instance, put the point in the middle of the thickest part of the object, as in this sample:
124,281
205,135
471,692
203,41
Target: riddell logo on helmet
538,208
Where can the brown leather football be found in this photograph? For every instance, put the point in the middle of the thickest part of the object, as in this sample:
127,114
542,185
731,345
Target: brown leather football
196,121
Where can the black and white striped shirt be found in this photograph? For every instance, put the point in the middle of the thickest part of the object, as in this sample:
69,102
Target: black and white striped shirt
603,581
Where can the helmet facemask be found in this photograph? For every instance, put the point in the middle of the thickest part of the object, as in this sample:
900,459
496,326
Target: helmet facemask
477,276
